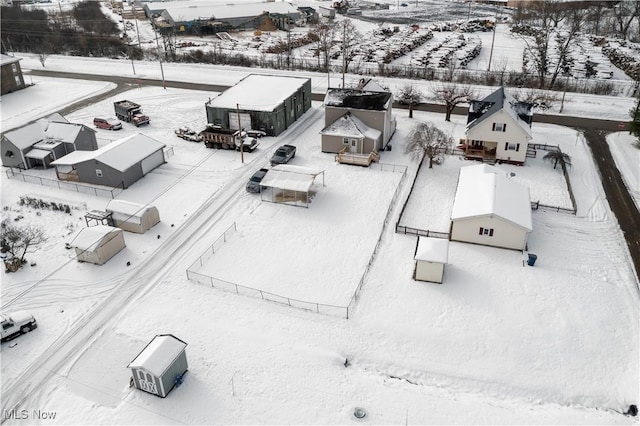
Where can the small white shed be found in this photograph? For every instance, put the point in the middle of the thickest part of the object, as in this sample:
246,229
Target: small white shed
97,244
133,217
160,366
431,256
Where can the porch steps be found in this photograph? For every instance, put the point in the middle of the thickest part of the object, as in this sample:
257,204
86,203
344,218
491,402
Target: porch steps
531,152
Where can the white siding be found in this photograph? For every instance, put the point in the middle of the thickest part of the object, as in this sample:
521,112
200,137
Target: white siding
514,133
429,271
152,161
505,234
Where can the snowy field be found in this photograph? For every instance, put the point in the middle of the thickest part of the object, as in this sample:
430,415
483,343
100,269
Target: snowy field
626,154
497,343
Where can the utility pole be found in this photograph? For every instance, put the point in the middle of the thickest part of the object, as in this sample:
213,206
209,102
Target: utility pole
240,134
493,39
153,24
137,31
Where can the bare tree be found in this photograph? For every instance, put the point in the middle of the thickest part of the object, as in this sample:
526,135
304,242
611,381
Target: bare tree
410,95
556,157
20,240
428,141
540,99
349,40
42,57
624,13
323,35
453,94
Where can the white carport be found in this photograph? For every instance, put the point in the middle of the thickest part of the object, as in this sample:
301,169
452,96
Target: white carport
431,256
293,185
97,244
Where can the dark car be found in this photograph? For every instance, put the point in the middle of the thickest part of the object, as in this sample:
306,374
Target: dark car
107,123
283,155
253,185
255,133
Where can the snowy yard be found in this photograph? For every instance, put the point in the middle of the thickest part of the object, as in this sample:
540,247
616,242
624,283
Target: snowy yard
498,342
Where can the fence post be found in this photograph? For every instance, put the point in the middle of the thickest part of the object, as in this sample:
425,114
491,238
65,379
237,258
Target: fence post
211,280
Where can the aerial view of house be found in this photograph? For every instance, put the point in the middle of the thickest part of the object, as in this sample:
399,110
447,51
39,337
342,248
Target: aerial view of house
467,251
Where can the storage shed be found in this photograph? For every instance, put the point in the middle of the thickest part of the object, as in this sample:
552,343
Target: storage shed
431,256
133,217
160,366
490,209
97,244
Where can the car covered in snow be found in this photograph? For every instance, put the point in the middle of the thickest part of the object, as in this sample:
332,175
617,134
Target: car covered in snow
107,123
15,324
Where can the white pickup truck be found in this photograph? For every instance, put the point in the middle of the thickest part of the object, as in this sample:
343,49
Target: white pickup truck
15,324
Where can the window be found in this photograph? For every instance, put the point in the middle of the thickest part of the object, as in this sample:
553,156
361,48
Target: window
98,172
354,143
499,127
14,68
486,231
9,154
476,143
512,146
345,141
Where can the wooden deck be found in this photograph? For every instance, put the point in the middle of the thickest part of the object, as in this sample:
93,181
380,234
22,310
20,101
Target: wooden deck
365,160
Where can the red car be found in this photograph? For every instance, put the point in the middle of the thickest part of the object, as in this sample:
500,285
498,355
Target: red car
107,123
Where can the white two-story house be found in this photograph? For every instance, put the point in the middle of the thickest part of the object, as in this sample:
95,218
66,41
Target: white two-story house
498,129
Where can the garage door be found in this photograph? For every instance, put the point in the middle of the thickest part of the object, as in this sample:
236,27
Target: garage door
152,161
245,120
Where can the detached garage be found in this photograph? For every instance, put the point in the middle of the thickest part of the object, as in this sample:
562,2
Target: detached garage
160,366
98,244
133,217
293,185
490,209
119,164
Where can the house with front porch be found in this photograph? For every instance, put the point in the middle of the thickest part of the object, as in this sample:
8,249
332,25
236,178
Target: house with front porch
357,121
39,144
498,129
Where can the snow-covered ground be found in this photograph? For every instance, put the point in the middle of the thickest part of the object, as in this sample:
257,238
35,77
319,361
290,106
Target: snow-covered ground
497,342
626,153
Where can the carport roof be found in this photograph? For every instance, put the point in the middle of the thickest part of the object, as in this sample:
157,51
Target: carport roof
291,178
89,238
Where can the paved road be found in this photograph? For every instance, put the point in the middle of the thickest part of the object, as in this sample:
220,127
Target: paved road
595,131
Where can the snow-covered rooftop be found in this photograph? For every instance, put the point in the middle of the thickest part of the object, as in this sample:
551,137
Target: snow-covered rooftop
120,154
258,92
89,238
358,99
485,190
127,208
351,126
191,10
6,59
292,178
432,250
159,354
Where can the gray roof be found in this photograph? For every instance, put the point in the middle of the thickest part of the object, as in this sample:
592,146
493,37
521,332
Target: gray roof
44,129
496,101
357,99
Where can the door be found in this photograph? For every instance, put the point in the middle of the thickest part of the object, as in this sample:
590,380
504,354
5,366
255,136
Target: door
152,161
353,146
245,120
147,382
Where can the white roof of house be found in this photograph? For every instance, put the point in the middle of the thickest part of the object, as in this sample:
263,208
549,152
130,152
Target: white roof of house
120,154
159,354
89,238
191,10
432,250
128,208
30,134
292,178
350,126
258,92
374,86
485,190
37,154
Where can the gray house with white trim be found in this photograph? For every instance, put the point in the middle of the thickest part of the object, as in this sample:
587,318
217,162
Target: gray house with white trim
40,143
119,164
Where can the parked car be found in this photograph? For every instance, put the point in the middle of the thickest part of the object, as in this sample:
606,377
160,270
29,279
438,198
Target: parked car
15,324
253,185
188,134
255,133
283,154
107,123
